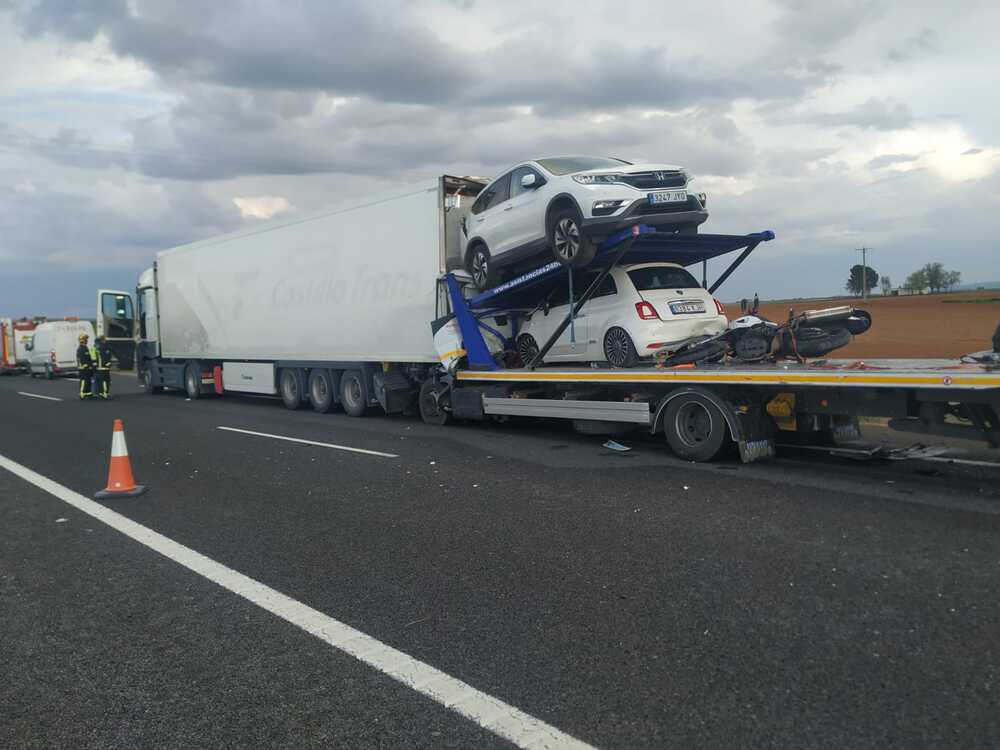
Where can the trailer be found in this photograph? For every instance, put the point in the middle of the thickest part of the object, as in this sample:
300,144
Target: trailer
330,309
701,410
344,309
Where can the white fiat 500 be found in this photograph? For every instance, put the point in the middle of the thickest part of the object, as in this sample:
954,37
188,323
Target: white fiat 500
637,311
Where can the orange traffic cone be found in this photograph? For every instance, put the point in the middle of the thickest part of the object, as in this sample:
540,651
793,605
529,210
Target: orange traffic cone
120,480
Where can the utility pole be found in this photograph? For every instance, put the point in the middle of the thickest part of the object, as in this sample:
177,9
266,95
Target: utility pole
864,270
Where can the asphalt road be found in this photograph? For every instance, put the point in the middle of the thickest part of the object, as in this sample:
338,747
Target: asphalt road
630,600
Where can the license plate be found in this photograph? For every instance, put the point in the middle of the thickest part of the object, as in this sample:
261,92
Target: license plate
667,196
680,308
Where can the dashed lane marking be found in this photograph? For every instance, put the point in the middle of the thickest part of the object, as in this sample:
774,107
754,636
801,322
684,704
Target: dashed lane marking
490,713
311,442
38,395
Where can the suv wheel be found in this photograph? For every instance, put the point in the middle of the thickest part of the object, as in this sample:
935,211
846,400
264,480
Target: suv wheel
569,244
481,267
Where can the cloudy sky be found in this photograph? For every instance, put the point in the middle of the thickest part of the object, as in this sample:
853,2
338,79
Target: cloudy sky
130,126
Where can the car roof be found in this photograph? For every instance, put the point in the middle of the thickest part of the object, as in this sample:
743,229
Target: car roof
658,264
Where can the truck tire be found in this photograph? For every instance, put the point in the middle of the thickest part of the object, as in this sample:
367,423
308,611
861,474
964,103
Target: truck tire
192,380
431,409
322,391
147,382
694,427
353,393
570,246
290,387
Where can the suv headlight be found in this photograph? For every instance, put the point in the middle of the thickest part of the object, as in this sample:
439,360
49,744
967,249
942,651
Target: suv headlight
597,179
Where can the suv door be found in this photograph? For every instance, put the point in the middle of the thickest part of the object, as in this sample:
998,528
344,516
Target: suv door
486,220
524,218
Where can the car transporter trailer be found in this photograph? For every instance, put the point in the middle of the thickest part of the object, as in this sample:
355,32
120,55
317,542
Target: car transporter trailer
700,409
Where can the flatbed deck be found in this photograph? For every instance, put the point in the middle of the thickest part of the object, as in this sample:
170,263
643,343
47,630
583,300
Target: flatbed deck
920,374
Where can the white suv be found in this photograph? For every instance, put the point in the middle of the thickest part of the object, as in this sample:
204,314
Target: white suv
638,311
567,205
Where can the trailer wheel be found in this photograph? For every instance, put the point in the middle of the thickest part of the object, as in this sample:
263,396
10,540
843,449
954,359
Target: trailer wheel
353,393
192,380
431,409
147,382
321,391
290,386
694,427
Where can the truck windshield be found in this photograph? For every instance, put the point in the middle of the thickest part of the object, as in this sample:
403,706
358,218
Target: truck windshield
561,165
662,277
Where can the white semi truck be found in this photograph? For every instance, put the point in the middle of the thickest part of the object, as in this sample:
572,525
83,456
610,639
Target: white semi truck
332,308
347,308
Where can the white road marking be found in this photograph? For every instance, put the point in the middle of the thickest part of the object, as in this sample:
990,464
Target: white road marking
38,395
311,442
488,712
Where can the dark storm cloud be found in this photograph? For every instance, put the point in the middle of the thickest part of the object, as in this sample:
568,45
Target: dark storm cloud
384,51
206,137
46,224
377,49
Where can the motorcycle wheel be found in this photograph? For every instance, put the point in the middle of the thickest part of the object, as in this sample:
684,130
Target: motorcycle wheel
703,352
815,342
859,322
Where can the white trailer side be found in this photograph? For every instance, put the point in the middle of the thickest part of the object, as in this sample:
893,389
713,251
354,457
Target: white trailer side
354,284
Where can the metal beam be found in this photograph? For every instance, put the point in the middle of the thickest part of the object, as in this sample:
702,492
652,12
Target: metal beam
732,267
575,309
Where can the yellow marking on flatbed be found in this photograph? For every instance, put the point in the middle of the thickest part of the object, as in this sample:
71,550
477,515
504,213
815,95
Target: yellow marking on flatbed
943,380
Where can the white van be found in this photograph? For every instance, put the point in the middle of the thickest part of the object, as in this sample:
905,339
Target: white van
52,350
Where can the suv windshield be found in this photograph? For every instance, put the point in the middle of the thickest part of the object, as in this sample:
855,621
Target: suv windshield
662,277
569,164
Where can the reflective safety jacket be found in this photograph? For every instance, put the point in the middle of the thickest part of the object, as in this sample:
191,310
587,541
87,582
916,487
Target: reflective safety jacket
84,358
102,357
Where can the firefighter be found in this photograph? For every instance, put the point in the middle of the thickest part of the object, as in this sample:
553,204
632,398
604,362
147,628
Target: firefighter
102,369
85,365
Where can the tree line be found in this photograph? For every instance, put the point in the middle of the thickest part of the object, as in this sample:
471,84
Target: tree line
932,276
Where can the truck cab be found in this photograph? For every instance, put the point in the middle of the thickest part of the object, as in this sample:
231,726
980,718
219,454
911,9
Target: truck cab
116,322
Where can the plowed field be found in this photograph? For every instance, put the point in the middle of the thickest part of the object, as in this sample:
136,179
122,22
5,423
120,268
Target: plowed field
930,325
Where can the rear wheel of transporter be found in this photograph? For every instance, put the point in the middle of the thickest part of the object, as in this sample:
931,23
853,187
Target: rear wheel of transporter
353,393
290,387
619,349
192,380
432,411
694,427
569,244
321,391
